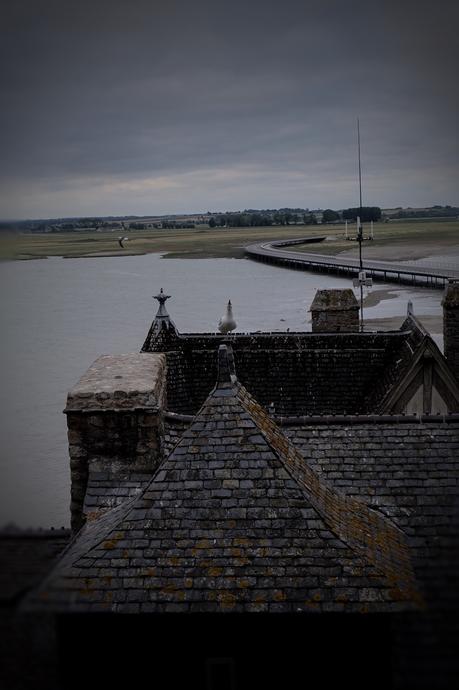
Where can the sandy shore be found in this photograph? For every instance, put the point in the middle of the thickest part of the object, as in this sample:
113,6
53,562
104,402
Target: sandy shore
377,296
440,252
433,324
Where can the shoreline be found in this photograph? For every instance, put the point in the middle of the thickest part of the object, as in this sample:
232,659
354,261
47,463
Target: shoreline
408,253
432,323
377,296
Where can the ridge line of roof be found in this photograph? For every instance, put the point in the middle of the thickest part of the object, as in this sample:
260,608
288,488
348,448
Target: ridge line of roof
386,418
289,334
364,530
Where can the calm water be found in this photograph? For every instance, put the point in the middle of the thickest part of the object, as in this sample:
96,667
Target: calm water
58,315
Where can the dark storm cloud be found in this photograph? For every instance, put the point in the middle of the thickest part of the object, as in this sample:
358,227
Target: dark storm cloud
144,98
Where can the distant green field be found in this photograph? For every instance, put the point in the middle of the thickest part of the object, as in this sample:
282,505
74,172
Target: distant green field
197,243
401,237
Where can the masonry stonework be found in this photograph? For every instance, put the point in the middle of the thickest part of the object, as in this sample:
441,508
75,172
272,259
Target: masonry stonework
335,311
451,327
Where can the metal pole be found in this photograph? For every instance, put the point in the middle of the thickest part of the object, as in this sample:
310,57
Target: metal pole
360,276
360,229
360,167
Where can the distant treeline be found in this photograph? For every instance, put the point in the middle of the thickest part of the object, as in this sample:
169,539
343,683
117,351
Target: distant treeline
366,213
88,224
237,219
175,225
432,212
252,218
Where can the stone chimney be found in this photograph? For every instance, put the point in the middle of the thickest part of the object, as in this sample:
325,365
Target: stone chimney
451,326
335,311
114,420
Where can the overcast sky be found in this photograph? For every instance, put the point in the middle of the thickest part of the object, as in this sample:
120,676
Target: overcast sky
120,107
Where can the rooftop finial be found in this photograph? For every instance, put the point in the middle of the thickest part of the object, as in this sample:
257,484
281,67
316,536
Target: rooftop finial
409,308
162,311
226,367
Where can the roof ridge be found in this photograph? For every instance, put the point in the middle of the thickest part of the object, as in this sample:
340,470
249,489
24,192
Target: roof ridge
360,527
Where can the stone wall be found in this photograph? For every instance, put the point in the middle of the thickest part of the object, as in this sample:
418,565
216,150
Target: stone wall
451,327
335,321
114,419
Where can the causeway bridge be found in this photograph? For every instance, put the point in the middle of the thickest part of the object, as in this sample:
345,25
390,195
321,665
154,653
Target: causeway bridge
274,252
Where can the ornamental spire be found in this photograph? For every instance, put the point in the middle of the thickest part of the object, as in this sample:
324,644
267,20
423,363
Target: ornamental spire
162,311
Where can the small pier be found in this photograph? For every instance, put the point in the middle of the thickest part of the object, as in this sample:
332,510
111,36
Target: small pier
384,271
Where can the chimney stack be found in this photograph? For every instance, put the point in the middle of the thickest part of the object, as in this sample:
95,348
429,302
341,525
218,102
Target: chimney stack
335,311
451,326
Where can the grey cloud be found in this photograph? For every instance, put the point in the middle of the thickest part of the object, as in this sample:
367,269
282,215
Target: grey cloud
126,91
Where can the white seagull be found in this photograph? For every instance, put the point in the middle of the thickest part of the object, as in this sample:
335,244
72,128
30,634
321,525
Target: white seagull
227,322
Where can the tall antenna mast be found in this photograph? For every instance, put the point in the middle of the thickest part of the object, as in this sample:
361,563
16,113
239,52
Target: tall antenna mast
362,279
360,230
360,166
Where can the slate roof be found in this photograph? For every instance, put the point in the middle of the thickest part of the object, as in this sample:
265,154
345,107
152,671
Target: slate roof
234,520
300,373
107,488
406,468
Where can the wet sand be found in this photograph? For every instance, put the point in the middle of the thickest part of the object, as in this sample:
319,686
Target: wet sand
409,251
433,324
377,296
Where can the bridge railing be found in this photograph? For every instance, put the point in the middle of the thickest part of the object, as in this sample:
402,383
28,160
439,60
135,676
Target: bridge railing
413,273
